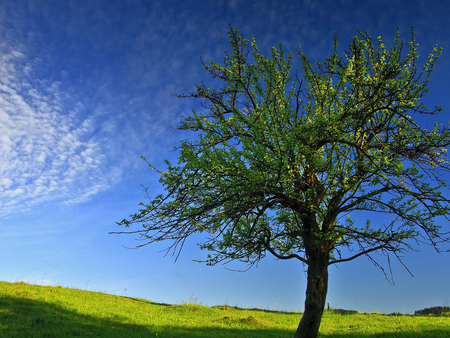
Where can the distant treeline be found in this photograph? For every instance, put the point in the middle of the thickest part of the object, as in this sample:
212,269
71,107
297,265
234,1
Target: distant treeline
435,310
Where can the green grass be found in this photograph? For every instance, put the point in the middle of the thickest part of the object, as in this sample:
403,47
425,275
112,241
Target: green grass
43,311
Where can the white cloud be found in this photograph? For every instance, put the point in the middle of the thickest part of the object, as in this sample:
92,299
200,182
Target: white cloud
46,154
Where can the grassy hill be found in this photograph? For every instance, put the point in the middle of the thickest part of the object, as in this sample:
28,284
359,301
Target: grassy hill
43,311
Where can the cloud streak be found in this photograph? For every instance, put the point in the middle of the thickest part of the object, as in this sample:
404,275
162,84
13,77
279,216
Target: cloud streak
46,153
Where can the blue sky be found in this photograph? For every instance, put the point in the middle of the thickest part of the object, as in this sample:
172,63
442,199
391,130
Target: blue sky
85,89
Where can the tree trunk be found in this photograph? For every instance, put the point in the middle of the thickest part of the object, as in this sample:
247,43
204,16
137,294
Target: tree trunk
316,293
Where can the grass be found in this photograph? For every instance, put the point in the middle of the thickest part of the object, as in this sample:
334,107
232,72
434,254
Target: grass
43,311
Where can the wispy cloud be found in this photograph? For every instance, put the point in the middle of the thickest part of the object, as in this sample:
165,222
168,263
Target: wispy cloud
46,152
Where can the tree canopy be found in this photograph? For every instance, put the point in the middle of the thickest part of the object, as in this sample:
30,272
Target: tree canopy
283,160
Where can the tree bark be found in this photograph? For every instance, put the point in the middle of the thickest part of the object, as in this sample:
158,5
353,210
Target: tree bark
316,293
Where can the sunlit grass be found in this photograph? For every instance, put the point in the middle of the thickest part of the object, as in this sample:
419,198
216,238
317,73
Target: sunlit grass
353,324
43,311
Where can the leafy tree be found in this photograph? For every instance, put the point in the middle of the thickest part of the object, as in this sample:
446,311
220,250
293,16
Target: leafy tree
282,164
435,310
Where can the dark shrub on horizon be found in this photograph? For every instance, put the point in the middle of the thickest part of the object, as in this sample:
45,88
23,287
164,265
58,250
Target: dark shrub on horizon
435,310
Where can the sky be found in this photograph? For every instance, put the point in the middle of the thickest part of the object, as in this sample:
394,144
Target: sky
86,88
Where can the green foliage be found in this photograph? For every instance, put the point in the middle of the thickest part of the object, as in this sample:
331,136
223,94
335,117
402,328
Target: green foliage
435,310
282,163
37,311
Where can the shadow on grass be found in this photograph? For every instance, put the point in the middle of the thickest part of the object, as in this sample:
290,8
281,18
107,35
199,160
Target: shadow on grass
342,312
21,317
436,333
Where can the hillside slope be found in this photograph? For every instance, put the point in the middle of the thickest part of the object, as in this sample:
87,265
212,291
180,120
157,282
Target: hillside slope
43,311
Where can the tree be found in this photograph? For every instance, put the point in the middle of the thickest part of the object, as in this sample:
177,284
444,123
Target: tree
282,164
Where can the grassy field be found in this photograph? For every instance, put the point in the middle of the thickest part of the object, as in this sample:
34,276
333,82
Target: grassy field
43,311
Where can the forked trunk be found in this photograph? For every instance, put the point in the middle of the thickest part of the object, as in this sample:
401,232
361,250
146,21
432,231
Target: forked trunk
316,293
